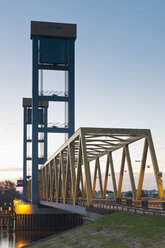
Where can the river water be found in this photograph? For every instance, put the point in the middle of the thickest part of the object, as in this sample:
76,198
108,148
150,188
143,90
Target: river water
19,239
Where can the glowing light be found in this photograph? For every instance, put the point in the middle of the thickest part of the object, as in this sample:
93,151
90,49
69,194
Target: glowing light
21,244
17,202
23,209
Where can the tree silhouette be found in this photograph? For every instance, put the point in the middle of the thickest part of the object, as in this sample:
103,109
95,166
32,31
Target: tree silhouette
8,193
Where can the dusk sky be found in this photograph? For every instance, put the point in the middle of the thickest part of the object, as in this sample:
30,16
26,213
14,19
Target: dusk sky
119,72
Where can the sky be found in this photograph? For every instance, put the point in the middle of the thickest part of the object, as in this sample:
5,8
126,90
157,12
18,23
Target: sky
119,68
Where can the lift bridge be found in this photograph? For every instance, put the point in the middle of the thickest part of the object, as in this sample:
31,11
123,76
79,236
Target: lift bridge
68,179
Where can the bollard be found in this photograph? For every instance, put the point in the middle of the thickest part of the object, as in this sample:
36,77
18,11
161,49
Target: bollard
118,201
144,204
163,206
129,202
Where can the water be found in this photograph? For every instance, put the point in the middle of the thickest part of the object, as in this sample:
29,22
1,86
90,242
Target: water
21,238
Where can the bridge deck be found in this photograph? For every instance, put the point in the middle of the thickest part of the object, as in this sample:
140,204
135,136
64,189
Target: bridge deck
126,204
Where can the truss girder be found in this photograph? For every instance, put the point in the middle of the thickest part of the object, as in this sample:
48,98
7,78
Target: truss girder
67,174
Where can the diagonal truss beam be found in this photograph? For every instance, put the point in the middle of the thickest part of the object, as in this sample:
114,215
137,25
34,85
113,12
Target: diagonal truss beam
67,174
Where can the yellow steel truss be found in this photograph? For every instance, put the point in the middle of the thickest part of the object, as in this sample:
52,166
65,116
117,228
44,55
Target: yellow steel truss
62,177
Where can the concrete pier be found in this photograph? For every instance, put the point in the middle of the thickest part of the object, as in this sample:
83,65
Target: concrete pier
36,218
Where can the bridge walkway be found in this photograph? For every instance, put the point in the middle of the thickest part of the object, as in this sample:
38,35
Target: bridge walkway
148,205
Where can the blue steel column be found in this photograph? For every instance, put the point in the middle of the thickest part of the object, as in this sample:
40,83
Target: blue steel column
24,154
71,103
45,133
34,189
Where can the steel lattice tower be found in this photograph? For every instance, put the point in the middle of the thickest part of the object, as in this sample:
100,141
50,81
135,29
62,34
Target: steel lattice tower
52,49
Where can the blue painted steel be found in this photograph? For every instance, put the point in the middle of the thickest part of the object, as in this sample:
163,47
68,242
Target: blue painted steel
45,134
34,189
39,140
29,159
40,116
42,120
29,116
54,98
41,160
53,54
53,51
71,103
53,67
54,129
24,154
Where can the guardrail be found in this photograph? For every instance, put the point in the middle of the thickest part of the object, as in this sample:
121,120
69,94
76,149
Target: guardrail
7,219
117,207
148,205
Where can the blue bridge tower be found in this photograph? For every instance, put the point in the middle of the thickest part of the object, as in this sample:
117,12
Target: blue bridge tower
27,137
52,49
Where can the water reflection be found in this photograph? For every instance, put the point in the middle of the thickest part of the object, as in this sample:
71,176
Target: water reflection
19,239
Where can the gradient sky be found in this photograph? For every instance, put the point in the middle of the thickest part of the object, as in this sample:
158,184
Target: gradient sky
120,67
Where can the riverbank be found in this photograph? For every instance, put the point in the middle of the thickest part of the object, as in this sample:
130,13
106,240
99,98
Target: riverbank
119,229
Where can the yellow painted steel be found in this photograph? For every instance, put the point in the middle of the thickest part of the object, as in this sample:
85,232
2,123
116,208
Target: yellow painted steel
106,177
155,166
63,176
67,185
113,176
85,190
56,178
72,165
67,174
59,182
100,177
79,163
87,170
94,180
142,169
130,172
121,174
82,184
97,169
